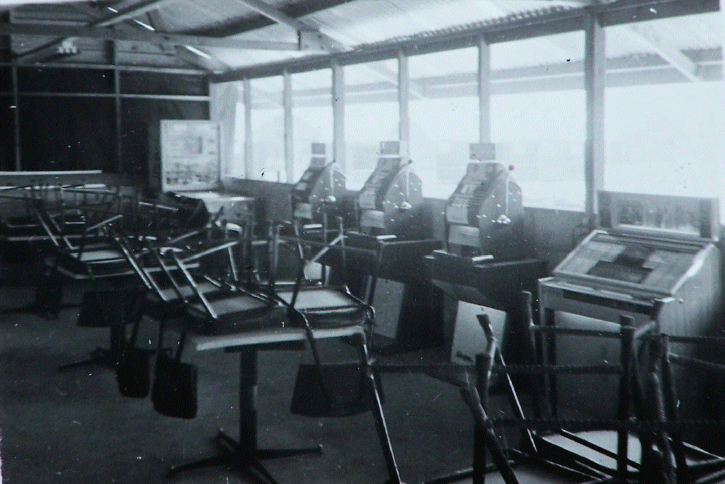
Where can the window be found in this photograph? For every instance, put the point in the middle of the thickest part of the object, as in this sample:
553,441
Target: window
665,132
267,130
311,116
371,116
443,117
538,117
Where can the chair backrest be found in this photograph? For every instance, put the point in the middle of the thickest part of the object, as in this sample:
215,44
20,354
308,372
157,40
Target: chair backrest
308,250
206,303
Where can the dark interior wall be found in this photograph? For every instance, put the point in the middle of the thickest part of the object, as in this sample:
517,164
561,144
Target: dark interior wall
136,116
69,121
7,121
138,113
7,133
66,133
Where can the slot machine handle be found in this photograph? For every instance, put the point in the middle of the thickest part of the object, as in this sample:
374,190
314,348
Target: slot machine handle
405,206
502,221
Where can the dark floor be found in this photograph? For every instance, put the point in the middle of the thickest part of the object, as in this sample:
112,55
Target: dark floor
75,427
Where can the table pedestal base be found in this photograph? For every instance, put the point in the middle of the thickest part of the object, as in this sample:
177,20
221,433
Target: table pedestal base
235,456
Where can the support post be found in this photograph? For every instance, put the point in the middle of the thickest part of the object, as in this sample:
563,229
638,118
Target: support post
722,40
117,104
484,91
16,119
248,158
403,105
289,147
338,114
223,104
594,79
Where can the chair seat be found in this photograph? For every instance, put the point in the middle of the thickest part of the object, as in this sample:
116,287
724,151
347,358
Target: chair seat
170,294
97,262
237,313
327,307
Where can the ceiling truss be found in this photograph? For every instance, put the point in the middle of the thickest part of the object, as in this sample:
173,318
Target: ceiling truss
325,45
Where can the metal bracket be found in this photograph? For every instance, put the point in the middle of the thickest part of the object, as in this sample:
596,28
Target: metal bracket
313,40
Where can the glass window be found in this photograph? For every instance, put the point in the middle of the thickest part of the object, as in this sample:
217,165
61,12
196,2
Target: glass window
267,130
665,132
371,116
311,116
443,117
538,117
235,166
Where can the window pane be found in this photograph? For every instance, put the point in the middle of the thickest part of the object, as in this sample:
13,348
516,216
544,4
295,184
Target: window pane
267,130
666,131
443,117
371,116
538,117
311,116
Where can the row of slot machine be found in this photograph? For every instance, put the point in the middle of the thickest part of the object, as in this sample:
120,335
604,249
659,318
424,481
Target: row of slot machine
652,257
481,264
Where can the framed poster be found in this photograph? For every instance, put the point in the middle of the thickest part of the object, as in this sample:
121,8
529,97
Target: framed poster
190,155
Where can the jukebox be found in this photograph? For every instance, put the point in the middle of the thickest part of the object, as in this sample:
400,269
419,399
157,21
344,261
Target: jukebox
653,258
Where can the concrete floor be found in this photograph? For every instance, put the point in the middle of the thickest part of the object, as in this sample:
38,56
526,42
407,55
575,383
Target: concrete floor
75,427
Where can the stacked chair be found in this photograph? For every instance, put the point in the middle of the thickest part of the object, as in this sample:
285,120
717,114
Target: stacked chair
89,254
186,299
647,411
330,389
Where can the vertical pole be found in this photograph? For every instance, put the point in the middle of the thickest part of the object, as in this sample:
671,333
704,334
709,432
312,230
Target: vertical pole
248,399
484,91
16,119
625,392
722,36
403,105
117,103
338,114
289,146
248,158
594,78
223,110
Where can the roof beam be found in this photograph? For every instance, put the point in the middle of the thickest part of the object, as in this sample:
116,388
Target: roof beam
300,26
192,55
666,50
140,36
245,24
386,74
51,48
556,22
130,12
621,71
273,14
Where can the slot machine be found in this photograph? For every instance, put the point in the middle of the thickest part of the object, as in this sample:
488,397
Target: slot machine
394,230
316,196
484,265
320,187
389,200
484,215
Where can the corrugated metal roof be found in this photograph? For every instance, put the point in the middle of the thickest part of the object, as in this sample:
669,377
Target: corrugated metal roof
366,23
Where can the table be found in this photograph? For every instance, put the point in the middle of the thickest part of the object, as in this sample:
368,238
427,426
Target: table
244,454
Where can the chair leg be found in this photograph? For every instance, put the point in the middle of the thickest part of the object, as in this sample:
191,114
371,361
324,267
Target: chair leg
377,408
